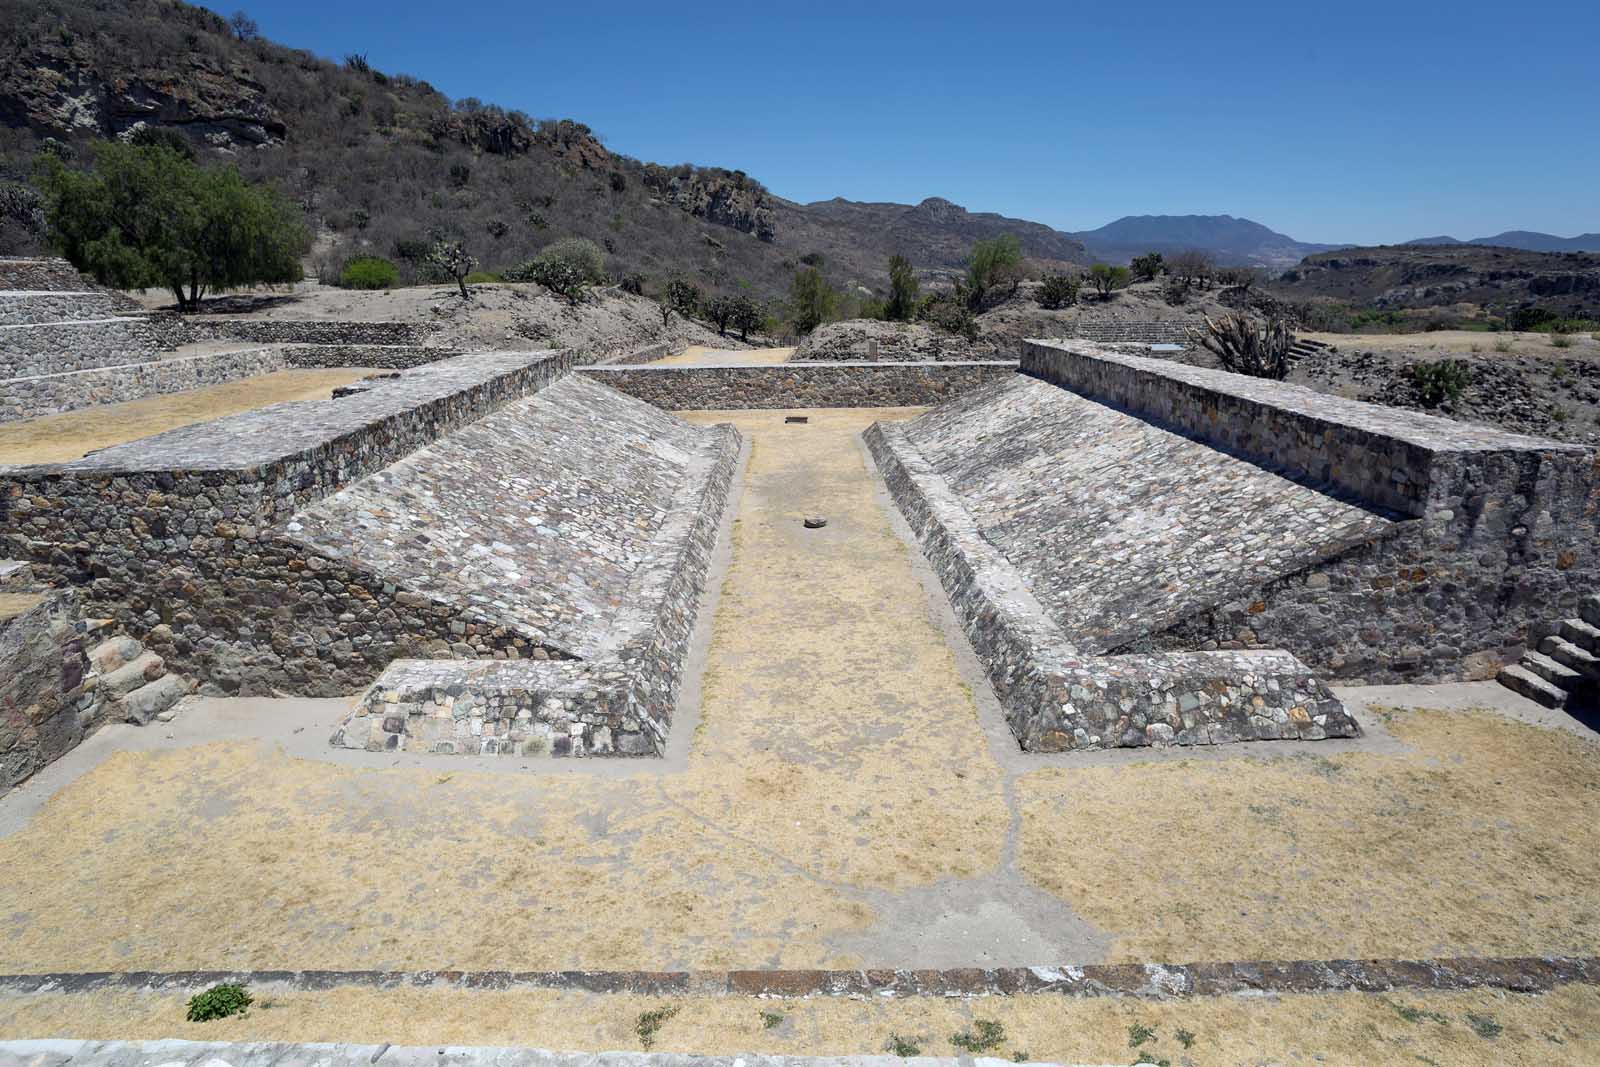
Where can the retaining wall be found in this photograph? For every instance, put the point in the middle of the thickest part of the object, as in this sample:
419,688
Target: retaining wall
163,532
61,347
42,273
46,707
386,357
175,330
31,398
41,306
799,385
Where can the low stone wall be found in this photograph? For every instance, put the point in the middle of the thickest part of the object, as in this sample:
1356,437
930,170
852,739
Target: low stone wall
385,357
176,330
799,385
162,533
1056,698
634,357
46,705
36,274
1135,331
42,306
62,347
52,394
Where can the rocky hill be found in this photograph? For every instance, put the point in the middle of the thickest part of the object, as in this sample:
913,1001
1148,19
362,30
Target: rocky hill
938,233
1526,240
1424,276
1232,241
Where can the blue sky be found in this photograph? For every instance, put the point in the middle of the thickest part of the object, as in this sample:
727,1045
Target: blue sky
1329,121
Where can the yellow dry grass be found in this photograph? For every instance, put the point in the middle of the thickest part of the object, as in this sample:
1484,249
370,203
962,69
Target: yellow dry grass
828,762
700,355
1558,1029
58,438
1483,841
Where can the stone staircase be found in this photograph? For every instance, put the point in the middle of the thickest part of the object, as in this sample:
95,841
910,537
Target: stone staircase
1305,346
1566,667
131,682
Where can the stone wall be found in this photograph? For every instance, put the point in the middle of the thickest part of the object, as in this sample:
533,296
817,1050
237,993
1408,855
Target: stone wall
167,533
176,330
39,274
61,347
799,385
634,357
31,398
386,357
30,308
46,702
1135,331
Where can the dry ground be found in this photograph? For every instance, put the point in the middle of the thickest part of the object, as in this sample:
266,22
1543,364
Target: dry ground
1464,1029
701,356
58,438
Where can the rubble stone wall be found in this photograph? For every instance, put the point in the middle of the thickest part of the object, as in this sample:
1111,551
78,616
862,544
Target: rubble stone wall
61,347
176,330
31,308
46,705
799,385
40,274
51,394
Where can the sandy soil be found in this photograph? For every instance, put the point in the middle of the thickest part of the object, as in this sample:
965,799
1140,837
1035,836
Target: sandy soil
1470,1029
835,782
1484,840
14,604
700,355
57,438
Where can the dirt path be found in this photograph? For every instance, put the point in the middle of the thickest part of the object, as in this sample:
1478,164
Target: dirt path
57,438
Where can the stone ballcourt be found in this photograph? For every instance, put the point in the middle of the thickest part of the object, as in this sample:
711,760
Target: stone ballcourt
855,745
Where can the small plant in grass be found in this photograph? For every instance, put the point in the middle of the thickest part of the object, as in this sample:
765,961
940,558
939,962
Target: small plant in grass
1485,1026
903,1046
369,272
1503,345
985,1035
649,1025
1150,1057
219,1002
1020,1056
1139,1033
1440,380
1417,1015
1185,1038
770,1019
1561,340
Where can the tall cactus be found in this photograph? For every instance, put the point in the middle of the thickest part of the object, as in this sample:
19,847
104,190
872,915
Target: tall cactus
1244,349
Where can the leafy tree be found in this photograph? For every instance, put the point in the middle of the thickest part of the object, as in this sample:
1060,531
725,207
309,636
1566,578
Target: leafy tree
991,265
558,276
950,312
720,310
580,253
683,297
1107,279
1147,266
902,305
146,216
451,257
812,301
747,316
1058,291
162,137
22,206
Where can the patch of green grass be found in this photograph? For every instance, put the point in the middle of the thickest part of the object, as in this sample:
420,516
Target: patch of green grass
769,1019
1417,1015
1485,1026
1150,1058
1020,1056
219,1002
649,1025
986,1034
1139,1033
1186,1038
903,1046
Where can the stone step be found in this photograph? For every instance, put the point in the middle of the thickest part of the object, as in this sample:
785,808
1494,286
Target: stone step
1569,654
1589,608
113,653
145,667
148,701
1557,674
1581,634
1521,680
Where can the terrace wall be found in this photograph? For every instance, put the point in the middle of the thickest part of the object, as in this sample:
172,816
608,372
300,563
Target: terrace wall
799,385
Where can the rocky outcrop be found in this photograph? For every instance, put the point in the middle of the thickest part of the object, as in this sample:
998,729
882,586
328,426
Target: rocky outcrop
727,198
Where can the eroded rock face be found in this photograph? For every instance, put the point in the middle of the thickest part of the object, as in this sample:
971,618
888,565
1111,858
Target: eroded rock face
727,198
54,89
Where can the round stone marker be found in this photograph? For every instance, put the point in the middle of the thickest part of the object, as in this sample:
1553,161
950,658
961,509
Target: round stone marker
815,522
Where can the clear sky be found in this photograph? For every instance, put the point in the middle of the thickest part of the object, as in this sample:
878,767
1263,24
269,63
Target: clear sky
1329,120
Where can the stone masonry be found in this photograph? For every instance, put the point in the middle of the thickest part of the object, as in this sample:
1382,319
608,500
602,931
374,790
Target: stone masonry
799,385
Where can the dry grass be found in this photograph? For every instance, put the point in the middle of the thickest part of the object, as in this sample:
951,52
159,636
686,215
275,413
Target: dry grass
58,438
700,355
1332,1030
1484,841
828,762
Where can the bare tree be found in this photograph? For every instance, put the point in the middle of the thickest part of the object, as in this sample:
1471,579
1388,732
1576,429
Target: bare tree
1192,267
1244,349
244,27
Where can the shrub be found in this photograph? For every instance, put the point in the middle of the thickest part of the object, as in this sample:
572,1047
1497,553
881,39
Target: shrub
484,277
219,1002
950,312
902,302
991,265
632,283
1439,380
1175,293
1560,339
581,254
1244,349
369,272
1147,266
1057,291
561,278
1107,279
812,301
1524,319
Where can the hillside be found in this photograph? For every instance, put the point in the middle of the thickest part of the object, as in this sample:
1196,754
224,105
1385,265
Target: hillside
383,163
1525,240
1424,276
1232,241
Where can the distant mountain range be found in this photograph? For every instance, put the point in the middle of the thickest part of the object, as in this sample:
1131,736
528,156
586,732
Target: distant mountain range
1230,240
1527,240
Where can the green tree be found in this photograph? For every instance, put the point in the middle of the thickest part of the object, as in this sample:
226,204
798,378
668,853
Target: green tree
1057,291
1107,279
678,296
747,316
812,301
147,217
902,305
720,310
991,265
1147,266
